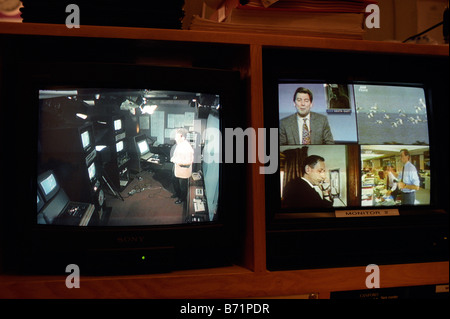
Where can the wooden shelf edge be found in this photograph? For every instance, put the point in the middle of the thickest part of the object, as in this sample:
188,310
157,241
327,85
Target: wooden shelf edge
243,38
222,283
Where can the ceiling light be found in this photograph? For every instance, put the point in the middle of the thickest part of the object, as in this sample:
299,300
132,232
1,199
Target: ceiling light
149,109
81,116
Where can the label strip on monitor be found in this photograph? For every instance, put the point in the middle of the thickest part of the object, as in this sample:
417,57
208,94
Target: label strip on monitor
366,213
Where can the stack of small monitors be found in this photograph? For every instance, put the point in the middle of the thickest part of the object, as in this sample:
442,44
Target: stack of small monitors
141,13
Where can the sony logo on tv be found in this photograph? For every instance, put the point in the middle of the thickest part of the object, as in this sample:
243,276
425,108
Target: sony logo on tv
130,239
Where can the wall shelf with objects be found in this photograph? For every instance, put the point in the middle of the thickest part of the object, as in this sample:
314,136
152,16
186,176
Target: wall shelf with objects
255,58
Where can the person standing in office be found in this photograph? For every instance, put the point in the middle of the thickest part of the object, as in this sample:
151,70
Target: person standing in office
305,127
182,157
409,179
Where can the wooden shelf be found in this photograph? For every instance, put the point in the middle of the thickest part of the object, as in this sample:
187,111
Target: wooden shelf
245,52
222,283
268,40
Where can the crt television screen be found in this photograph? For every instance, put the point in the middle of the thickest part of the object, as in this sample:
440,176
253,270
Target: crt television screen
174,186
321,124
91,171
48,187
118,124
119,146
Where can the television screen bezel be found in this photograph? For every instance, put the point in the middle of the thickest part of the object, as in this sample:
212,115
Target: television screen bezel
130,76
320,212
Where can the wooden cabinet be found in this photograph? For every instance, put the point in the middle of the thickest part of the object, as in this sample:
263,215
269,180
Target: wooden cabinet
243,52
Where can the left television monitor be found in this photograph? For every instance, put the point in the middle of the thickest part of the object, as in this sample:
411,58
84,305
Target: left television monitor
142,219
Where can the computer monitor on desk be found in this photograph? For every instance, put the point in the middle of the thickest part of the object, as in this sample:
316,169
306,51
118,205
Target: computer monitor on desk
54,206
104,247
143,147
142,154
144,150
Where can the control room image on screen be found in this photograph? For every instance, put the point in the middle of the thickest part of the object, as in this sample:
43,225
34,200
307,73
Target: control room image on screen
127,157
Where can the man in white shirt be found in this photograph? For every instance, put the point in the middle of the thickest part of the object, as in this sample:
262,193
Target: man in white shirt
410,182
182,156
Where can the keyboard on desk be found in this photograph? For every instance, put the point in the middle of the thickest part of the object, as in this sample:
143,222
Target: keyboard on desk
76,214
146,156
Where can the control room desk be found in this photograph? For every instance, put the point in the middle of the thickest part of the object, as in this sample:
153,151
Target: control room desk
190,214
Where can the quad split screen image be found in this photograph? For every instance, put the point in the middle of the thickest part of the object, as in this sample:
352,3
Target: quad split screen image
327,129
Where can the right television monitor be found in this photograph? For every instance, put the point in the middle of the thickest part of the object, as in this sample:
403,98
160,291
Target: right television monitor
362,174
352,145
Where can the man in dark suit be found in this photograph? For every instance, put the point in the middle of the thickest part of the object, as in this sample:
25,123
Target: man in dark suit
306,191
305,127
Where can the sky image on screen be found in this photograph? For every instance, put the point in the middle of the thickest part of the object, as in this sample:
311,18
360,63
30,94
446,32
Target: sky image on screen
391,115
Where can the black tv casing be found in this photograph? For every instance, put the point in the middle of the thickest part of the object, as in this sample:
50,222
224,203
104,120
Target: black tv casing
308,238
119,249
